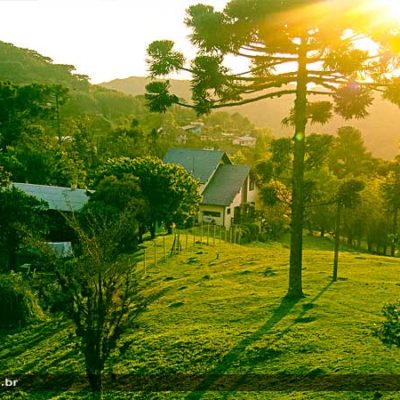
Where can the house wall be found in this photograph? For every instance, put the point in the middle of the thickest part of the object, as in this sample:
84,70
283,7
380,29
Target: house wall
237,201
252,195
209,219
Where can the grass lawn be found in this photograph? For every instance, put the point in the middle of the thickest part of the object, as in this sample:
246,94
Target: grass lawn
219,310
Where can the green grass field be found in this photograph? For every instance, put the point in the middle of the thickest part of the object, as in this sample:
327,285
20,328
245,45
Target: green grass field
220,310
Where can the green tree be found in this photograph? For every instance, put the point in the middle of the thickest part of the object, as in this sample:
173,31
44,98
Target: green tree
20,216
288,46
21,106
171,193
347,197
39,158
348,156
103,289
391,194
114,197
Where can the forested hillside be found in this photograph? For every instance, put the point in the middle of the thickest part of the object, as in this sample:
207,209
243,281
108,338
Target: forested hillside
380,129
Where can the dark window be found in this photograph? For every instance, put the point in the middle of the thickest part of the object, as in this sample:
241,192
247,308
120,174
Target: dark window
228,211
214,214
251,184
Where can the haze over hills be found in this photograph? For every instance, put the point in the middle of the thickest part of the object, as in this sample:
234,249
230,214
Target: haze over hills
381,129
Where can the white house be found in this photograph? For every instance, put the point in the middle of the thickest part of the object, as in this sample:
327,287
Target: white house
247,141
225,187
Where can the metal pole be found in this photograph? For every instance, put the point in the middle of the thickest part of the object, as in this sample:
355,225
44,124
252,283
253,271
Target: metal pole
201,233
208,232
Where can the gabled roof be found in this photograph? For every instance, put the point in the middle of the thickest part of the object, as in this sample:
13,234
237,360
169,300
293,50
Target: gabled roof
225,185
58,198
201,163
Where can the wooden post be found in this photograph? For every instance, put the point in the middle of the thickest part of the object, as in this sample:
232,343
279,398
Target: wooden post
164,246
186,240
155,253
144,260
225,233
201,234
214,235
208,232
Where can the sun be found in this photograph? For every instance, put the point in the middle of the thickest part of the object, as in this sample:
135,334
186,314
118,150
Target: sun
389,10
392,8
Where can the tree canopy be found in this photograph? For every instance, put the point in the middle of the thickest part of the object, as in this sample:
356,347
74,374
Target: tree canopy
303,48
170,191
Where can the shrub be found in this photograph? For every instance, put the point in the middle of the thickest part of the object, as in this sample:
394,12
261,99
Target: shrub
18,304
389,330
249,232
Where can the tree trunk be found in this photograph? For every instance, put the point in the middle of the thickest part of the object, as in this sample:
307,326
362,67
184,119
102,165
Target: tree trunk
12,258
153,230
297,207
96,384
395,218
337,243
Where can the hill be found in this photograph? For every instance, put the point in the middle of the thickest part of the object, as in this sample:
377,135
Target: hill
381,129
27,66
219,310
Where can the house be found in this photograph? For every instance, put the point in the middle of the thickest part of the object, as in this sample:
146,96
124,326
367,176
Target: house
194,127
225,187
246,141
59,199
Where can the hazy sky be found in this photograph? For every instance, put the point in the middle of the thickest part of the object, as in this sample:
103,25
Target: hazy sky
105,39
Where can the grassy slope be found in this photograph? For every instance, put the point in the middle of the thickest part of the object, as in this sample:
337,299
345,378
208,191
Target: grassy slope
220,310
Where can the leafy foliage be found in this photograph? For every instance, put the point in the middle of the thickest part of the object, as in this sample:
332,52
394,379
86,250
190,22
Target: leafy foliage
389,330
170,191
18,304
111,199
20,216
104,291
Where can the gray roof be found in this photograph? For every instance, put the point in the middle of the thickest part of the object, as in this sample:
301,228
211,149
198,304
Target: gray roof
58,198
201,163
225,185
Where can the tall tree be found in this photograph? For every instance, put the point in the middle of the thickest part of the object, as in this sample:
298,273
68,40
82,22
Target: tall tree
347,197
391,193
298,48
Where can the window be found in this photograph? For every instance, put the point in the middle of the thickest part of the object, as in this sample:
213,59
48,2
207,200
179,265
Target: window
251,184
228,211
214,214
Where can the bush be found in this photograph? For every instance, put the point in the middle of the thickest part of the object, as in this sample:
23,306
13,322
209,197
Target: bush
389,330
249,232
18,304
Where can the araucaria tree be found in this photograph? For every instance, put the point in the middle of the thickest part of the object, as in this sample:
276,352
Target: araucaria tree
298,48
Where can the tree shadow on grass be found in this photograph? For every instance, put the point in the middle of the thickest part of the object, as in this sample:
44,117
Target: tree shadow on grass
281,312
43,332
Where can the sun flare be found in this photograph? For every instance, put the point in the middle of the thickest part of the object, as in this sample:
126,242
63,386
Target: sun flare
388,9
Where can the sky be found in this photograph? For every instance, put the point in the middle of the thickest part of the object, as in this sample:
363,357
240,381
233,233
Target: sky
105,39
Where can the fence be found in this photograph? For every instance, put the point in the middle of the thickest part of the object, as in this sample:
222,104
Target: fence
161,248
